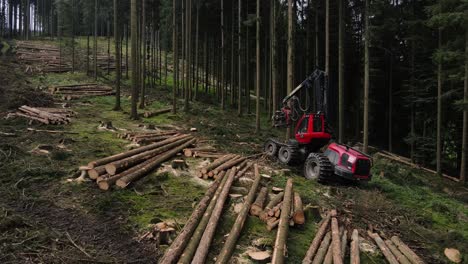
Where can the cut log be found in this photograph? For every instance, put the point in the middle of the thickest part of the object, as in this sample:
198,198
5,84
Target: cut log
322,250
173,253
383,247
178,164
336,242
234,234
298,211
275,201
190,152
344,243
283,226
259,255
316,242
96,172
329,256
121,165
257,206
216,163
244,170
398,255
158,112
192,245
154,162
406,250
228,164
132,152
354,251
205,242
272,223
211,155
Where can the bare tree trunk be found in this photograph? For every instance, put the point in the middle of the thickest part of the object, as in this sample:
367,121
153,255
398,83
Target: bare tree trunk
274,46
175,57
327,37
118,54
95,37
222,54
239,58
366,79
134,36
195,82
465,117
340,71
257,81
439,109
143,61
290,69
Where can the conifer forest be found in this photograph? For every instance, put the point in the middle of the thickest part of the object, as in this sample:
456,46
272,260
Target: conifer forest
234,131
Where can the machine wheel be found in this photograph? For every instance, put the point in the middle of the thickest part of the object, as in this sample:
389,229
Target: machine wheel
270,148
288,155
317,167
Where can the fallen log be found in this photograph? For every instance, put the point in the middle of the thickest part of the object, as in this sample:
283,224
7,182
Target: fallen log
228,164
192,245
272,223
275,201
329,256
316,241
257,206
336,242
132,152
205,242
230,243
96,172
121,165
298,213
383,247
191,151
156,161
322,250
283,226
211,155
243,171
216,163
413,257
354,251
398,255
158,112
177,247
344,243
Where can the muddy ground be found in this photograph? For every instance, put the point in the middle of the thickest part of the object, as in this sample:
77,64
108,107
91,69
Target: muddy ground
45,218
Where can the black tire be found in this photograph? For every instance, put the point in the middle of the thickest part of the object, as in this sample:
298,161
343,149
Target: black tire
317,167
288,155
270,148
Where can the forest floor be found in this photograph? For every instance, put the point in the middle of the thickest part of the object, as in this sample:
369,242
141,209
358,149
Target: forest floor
46,218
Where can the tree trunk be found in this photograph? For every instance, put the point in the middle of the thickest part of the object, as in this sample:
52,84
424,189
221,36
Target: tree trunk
118,54
222,54
340,71
366,79
192,245
354,251
216,163
283,226
406,250
257,206
327,37
316,242
323,249
465,117
143,56
298,213
177,247
134,36
205,242
336,242
257,78
439,109
398,255
234,234
274,46
196,52
239,58
175,57
344,243
290,67
95,37
383,247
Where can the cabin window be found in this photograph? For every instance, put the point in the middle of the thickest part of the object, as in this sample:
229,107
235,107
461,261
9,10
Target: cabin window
304,125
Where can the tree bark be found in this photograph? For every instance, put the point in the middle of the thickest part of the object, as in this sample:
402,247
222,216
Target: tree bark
118,55
366,79
283,227
344,243
257,206
216,163
228,164
96,172
340,71
383,247
257,78
398,255
322,250
134,40
95,37
298,214
329,256
274,44
316,242
205,242
337,259
143,56
465,117
177,247
239,58
354,251
439,109
234,234
290,67
407,251
175,86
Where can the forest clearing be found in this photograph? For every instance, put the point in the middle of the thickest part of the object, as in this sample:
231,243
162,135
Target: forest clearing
183,131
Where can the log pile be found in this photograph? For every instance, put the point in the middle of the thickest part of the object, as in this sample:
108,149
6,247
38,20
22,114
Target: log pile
222,164
148,137
40,58
76,91
53,116
124,168
203,152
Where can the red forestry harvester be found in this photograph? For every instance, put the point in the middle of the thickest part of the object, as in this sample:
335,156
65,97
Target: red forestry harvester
312,133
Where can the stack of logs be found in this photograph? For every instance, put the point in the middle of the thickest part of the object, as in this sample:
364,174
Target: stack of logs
127,167
270,212
203,152
148,137
76,91
193,242
54,116
222,164
41,58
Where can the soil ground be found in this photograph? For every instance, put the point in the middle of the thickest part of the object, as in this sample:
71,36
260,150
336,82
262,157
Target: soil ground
47,219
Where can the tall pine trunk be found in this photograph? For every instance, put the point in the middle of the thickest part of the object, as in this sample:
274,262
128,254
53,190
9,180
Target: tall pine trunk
134,36
290,63
327,37
239,58
175,58
274,44
118,72
439,108
366,79
95,37
143,60
465,116
222,54
258,72
340,70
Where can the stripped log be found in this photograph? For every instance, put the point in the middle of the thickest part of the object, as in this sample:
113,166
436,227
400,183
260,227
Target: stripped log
192,245
156,161
177,247
243,171
398,255
257,206
190,152
383,247
283,226
322,250
344,243
354,251
329,256
158,112
316,242
406,250
121,165
132,152
298,211
230,243
205,242
228,164
275,201
216,163
336,241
